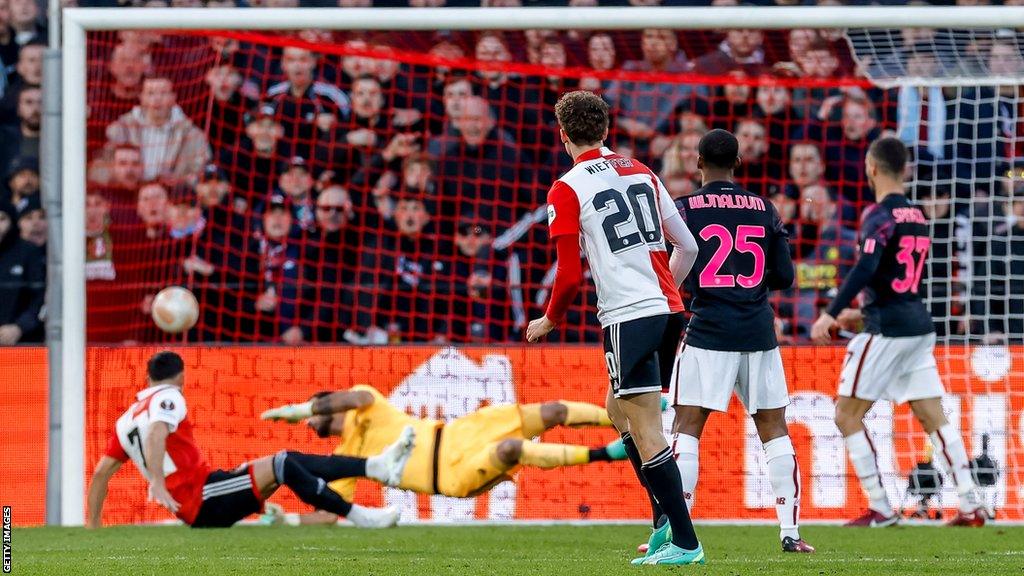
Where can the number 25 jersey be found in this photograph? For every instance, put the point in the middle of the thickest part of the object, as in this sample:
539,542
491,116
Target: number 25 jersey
743,253
616,205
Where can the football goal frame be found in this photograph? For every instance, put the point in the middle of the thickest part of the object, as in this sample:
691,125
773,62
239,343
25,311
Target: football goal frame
65,166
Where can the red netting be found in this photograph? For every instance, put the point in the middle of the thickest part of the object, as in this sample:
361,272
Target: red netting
400,195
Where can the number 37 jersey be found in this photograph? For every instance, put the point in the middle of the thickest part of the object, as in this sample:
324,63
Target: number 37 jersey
743,253
896,232
617,206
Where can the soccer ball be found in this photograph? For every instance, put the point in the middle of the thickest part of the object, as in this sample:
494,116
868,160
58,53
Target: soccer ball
175,310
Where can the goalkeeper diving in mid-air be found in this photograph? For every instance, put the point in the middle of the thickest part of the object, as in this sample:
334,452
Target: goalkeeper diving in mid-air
461,458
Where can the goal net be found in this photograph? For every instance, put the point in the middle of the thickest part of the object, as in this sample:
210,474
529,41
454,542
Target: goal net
357,188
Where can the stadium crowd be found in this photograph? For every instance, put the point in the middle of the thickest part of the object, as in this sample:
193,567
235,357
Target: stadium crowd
376,188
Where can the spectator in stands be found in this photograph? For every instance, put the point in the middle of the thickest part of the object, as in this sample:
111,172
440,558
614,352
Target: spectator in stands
118,94
1005,59
998,274
725,103
417,177
757,172
99,262
798,41
457,88
826,250
280,260
481,169
22,281
304,104
481,308
28,73
423,86
806,166
296,182
549,90
820,63
254,160
184,217
741,50
330,255
600,56
22,180
923,113
535,39
369,127
227,104
420,277
940,287
153,209
639,107
23,139
173,148
8,47
124,173
786,205
846,148
32,228
32,224
679,169
26,23
213,191
773,105
513,112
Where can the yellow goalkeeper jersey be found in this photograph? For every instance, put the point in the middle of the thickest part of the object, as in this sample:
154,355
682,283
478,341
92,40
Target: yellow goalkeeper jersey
369,430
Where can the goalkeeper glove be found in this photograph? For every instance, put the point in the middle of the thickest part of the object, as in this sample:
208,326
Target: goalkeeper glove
289,412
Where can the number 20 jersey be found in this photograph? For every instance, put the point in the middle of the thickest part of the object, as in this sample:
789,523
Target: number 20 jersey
616,205
896,231
743,252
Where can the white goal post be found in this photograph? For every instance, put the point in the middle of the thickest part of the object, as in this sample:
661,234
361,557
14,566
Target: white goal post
68,423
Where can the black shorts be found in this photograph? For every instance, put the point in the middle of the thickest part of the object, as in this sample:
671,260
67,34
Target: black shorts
640,353
227,498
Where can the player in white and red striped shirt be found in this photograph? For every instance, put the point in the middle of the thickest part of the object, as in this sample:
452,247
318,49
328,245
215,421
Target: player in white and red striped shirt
156,435
620,213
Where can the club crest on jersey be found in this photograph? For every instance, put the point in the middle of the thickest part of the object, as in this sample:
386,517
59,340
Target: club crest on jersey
167,405
551,214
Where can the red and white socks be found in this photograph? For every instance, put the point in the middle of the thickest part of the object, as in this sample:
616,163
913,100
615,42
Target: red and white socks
952,456
865,464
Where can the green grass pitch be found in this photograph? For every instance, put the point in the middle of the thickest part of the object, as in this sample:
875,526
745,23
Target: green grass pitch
500,550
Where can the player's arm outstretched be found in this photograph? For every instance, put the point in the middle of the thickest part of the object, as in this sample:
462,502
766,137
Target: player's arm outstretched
876,236
105,470
320,405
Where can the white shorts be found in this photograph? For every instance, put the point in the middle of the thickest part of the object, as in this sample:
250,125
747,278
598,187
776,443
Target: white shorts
897,369
708,378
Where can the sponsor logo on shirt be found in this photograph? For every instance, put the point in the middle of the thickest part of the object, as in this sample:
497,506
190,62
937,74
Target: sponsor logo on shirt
551,214
167,405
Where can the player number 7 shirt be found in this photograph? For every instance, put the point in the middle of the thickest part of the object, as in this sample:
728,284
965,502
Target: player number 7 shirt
185,467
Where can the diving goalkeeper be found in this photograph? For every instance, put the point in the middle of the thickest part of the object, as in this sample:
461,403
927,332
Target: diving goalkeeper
462,458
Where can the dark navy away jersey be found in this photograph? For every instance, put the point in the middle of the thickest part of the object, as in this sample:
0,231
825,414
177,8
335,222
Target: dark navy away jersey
744,253
894,247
